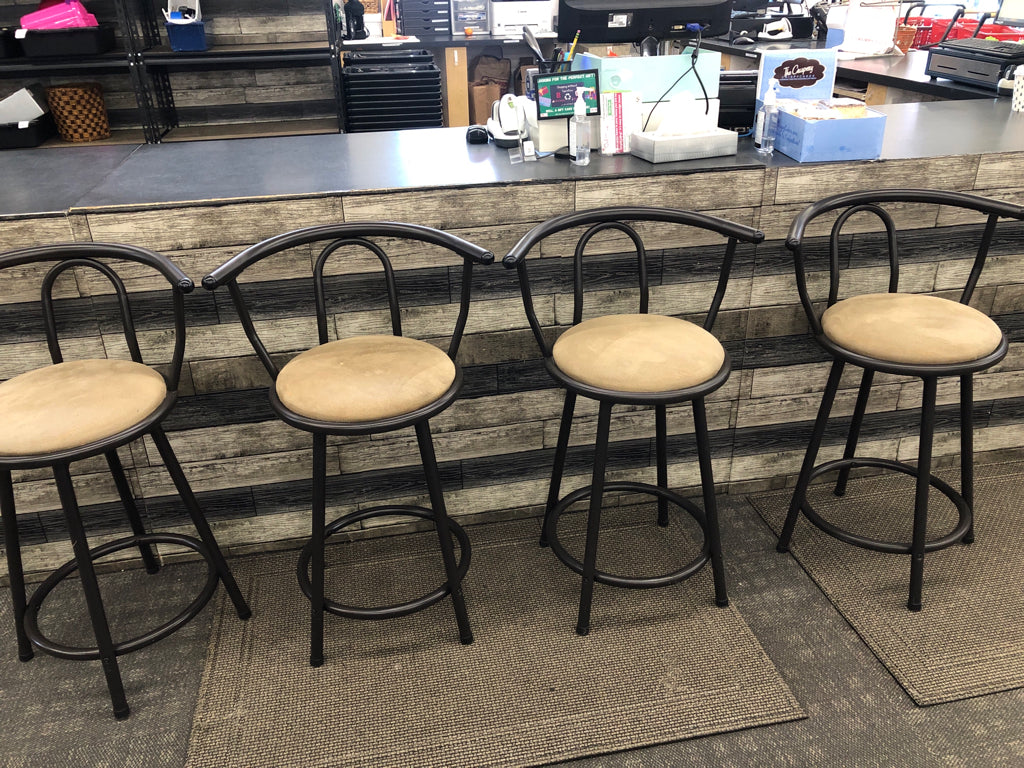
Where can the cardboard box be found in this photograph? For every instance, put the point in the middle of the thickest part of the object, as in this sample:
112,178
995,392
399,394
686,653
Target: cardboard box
621,117
809,75
654,77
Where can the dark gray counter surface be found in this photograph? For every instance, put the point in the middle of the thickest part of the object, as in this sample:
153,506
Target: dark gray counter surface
52,180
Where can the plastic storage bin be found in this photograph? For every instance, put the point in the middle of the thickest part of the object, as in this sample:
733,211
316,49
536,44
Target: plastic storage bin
76,41
18,136
10,47
187,37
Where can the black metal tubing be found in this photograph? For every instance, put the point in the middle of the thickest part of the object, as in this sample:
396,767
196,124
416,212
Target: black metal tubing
385,611
597,221
340,239
337,235
92,653
994,209
96,256
870,202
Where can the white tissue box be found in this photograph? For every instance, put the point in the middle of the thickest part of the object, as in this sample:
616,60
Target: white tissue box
663,149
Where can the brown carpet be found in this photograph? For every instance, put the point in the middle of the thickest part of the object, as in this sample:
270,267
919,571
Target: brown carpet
969,638
658,665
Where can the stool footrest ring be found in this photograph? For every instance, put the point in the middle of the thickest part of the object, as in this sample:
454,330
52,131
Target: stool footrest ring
92,653
630,582
899,548
389,611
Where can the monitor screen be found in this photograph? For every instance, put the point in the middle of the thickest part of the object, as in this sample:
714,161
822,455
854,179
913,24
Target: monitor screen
1011,13
630,21
556,94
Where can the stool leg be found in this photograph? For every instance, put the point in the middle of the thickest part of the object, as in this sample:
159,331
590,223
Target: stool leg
707,484
131,509
14,567
90,585
199,521
661,450
594,518
854,434
561,449
924,468
429,459
316,566
967,448
827,398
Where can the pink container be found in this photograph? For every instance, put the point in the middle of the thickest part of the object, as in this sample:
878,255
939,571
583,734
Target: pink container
70,13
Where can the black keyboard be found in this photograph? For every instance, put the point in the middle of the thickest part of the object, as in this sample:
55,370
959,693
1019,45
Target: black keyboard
1000,48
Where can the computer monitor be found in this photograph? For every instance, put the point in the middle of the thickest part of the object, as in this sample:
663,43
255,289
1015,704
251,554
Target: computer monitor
556,93
1011,13
630,21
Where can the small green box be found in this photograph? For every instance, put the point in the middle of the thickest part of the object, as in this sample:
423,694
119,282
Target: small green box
653,76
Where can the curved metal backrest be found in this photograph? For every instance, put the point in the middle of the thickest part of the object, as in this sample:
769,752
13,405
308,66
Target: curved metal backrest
621,219
103,258
870,202
341,239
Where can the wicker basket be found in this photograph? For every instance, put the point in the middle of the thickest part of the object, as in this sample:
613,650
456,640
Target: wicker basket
79,111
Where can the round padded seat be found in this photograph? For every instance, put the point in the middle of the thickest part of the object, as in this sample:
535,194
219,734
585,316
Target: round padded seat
911,328
75,403
365,378
638,353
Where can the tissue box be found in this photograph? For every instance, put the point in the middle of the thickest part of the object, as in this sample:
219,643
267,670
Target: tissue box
663,149
621,117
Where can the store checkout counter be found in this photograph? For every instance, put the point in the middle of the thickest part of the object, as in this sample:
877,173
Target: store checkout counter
201,202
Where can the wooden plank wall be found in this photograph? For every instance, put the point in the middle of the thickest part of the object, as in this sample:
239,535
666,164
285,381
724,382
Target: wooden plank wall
495,443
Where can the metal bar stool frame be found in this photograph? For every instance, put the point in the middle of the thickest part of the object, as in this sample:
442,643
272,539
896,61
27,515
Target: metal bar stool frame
614,219
870,202
366,236
96,257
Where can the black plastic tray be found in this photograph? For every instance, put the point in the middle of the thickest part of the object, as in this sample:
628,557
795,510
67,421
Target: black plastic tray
37,131
74,41
406,102
367,58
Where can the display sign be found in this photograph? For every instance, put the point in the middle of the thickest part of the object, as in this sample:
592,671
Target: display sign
556,93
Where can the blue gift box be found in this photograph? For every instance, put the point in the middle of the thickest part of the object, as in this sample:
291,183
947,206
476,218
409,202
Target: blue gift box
809,75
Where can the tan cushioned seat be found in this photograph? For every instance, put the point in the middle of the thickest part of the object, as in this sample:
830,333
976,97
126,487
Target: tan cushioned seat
638,353
364,378
75,403
911,328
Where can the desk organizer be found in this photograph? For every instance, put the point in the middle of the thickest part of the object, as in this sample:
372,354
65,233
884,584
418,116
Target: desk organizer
73,41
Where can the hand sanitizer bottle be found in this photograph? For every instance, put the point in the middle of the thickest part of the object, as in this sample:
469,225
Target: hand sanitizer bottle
579,131
767,120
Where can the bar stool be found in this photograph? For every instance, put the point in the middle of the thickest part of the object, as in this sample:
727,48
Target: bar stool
910,334
364,385
71,410
633,359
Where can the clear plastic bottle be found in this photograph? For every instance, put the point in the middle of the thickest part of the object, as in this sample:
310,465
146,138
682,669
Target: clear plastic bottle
767,120
579,131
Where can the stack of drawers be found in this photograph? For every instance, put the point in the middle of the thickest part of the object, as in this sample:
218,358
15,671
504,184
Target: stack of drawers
424,18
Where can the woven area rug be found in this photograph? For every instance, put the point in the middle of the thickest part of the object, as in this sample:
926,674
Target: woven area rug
659,665
969,638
